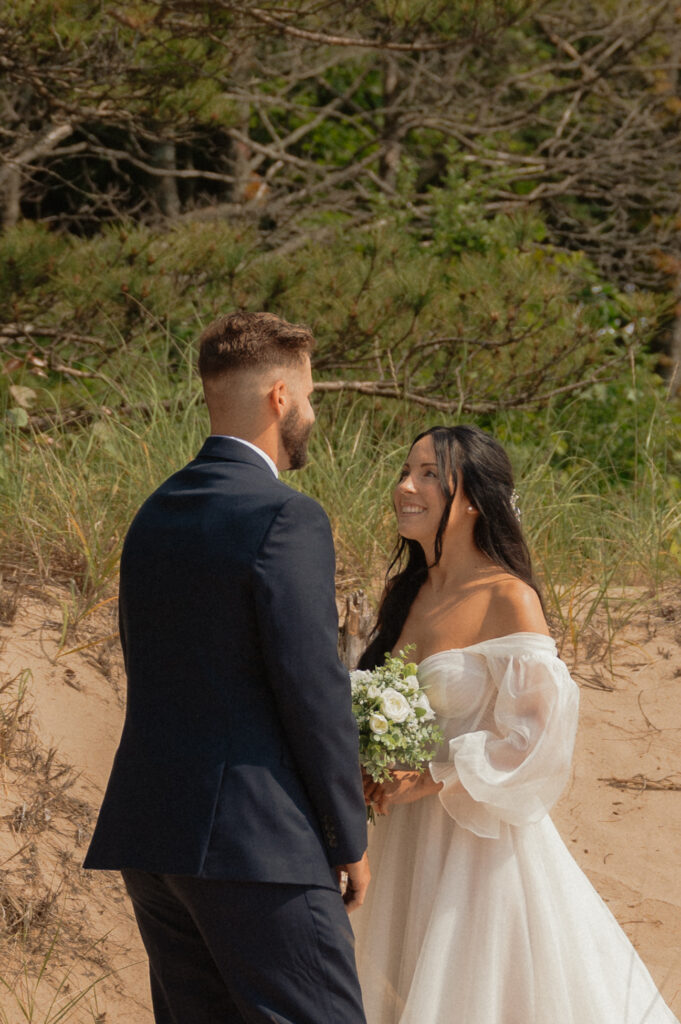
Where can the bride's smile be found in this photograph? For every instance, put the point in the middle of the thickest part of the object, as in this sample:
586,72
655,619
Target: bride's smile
418,498
420,501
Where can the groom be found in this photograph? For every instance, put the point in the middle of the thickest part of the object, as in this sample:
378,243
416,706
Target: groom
235,798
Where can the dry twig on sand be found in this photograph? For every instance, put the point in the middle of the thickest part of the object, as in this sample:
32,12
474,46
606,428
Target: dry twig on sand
640,783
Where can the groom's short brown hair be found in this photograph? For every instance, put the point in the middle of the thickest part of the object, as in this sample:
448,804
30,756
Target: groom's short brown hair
248,340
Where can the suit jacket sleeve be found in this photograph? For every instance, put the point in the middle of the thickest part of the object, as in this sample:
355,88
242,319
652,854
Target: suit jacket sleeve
298,623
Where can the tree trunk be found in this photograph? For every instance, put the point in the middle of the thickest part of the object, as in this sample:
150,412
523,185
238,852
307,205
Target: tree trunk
673,368
391,144
165,156
11,200
241,155
354,632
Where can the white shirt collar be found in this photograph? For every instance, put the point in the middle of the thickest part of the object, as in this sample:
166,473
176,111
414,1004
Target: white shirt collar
270,462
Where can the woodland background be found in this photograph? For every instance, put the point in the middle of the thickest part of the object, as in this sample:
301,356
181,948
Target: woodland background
476,206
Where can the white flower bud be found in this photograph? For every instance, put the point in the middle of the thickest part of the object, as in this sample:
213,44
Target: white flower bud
423,702
378,724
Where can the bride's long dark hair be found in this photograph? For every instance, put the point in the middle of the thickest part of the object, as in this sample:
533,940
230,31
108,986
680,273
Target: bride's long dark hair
475,459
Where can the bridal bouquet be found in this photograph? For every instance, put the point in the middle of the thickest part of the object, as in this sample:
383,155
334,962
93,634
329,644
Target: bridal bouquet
396,721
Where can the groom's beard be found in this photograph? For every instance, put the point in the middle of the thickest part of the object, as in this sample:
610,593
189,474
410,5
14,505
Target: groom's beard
295,435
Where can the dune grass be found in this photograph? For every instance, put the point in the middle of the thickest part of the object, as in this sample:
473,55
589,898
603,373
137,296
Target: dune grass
37,999
69,491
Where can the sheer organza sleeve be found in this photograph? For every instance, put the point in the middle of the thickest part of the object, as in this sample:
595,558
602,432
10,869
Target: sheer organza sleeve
514,771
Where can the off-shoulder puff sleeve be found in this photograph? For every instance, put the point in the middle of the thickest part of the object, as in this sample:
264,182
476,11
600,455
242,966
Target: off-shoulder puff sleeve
516,771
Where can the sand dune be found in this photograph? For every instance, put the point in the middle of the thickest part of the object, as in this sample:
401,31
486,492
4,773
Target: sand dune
621,814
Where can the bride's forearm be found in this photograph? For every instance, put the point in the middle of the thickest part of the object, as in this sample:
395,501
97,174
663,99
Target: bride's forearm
410,786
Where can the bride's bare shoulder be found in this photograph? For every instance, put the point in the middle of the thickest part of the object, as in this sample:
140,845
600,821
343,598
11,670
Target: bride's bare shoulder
514,607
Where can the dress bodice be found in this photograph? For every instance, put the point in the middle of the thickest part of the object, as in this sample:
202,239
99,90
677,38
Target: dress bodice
457,683
460,682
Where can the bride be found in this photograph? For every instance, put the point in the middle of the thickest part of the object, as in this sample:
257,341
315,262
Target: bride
477,913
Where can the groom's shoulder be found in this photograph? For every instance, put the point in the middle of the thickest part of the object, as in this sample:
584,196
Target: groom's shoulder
239,489
300,504
289,502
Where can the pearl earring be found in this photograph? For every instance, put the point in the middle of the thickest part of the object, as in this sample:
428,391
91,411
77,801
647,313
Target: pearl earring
471,509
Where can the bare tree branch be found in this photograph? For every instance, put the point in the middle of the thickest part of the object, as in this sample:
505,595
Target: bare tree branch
385,389
333,40
47,141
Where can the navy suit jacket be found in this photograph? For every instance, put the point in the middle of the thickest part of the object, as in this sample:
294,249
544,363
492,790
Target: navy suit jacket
239,752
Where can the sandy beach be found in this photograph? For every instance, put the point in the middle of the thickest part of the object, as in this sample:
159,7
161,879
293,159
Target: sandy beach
620,814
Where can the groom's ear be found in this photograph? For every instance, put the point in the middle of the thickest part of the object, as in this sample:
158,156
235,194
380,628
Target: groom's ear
278,397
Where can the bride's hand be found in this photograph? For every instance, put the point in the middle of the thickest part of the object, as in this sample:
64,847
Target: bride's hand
404,788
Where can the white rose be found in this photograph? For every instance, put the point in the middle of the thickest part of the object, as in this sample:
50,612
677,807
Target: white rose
411,683
423,702
359,676
378,724
395,705
373,692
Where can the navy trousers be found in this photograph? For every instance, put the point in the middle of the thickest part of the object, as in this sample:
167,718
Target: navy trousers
223,952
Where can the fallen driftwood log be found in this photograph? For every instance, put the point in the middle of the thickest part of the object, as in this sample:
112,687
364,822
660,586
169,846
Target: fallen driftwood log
355,628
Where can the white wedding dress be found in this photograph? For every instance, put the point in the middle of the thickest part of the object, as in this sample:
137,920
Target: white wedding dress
477,913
